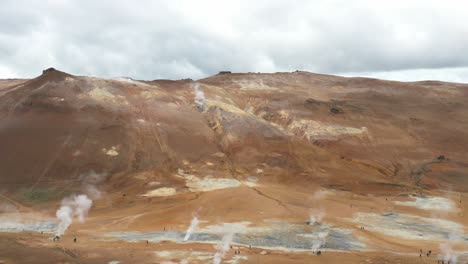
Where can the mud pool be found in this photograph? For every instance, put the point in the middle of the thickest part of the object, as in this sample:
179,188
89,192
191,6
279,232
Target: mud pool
15,227
280,236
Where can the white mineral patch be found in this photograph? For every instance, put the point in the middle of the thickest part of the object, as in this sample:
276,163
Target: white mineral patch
58,99
254,85
311,129
235,227
165,191
103,95
153,183
251,181
429,203
225,106
207,184
141,120
149,94
100,94
114,262
112,151
236,259
210,184
408,226
190,256
250,184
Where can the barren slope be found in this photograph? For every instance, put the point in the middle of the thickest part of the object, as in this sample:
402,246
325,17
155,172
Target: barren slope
250,150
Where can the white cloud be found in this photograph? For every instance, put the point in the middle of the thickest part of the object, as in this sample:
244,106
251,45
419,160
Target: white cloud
185,38
459,75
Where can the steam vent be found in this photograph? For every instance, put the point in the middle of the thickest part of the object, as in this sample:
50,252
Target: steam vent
195,132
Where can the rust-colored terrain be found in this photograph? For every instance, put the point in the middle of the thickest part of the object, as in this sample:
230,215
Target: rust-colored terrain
278,166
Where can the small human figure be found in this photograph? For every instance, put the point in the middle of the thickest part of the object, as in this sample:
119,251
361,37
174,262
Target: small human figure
319,253
74,239
147,242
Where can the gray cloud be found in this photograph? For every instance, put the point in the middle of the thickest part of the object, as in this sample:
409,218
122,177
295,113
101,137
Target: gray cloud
178,39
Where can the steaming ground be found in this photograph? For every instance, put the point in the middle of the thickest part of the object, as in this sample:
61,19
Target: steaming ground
260,230
235,168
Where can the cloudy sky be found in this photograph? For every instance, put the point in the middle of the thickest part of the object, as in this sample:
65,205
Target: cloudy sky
402,40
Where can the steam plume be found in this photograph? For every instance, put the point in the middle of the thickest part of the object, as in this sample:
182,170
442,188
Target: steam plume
447,252
193,225
64,214
223,248
199,97
73,206
89,182
316,216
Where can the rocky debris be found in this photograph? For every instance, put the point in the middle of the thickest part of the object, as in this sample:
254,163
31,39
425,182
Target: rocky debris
311,101
51,69
336,110
51,74
225,72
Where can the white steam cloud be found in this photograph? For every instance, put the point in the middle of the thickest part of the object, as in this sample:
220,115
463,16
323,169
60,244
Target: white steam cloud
199,97
73,206
316,216
89,181
223,248
193,225
448,255
78,205
65,215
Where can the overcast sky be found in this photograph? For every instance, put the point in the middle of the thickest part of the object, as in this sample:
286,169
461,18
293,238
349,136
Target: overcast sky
196,38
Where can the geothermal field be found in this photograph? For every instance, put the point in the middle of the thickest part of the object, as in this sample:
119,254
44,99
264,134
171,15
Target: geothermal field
239,168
